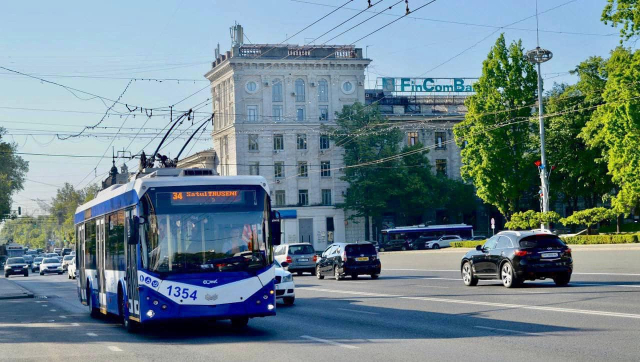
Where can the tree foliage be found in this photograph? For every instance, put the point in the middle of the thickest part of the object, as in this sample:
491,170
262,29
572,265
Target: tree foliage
625,13
497,152
589,217
531,219
12,173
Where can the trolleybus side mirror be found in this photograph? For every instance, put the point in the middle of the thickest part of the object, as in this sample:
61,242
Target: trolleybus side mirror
479,247
132,232
276,228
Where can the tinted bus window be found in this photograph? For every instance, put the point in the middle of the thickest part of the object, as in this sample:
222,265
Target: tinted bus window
90,246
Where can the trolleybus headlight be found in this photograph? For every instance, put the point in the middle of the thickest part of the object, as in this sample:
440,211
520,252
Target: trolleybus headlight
270,307
150,313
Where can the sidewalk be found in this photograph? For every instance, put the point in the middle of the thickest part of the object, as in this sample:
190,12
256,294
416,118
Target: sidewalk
11,290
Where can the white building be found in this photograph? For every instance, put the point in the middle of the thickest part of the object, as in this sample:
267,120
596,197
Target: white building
270,104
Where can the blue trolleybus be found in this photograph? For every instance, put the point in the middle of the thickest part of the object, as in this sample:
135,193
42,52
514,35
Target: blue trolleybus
176,244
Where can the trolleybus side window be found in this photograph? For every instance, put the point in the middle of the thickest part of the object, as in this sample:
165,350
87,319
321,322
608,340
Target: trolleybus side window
90,245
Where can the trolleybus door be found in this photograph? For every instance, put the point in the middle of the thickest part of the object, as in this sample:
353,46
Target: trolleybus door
81,278
133,303
101,261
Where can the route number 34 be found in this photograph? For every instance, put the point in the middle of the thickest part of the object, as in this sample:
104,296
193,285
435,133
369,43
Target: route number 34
181,292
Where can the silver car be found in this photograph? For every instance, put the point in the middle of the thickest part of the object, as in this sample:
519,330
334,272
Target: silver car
301,257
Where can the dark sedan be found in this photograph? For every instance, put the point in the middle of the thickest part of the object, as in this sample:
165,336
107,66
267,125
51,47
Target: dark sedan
353,259
516,256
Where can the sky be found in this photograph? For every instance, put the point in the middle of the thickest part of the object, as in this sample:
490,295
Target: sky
101,48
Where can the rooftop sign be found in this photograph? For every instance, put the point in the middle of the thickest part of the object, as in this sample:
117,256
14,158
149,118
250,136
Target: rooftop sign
460,86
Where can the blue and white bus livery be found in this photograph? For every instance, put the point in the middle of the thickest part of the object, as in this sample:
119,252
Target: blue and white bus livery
170,246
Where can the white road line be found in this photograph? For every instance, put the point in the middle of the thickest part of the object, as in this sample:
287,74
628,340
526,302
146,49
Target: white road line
506,330
92,334
75,324
333,343
424,270
356,311
63,317
627,274
430,278
458,271
52,310
44,305
429,286
114,349
487,304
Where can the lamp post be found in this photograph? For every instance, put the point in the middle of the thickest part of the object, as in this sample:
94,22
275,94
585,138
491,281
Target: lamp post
539,56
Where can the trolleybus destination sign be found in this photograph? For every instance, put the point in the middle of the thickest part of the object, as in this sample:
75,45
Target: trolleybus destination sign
428,85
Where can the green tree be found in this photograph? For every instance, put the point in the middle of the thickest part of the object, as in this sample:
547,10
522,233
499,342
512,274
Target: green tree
625,13
580,172
615,127
531,219
12,173
495,137
589,217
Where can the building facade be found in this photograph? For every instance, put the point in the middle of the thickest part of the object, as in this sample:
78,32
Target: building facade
271,105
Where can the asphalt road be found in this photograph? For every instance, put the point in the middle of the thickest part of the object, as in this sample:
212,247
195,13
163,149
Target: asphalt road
418,310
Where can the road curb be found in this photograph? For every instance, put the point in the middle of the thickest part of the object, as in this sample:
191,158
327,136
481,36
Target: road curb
20,293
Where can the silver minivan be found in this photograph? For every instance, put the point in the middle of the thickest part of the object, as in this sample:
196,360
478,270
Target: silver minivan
301,257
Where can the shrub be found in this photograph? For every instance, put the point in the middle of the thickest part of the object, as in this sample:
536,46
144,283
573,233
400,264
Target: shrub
601,239
467,244
530,219
589,217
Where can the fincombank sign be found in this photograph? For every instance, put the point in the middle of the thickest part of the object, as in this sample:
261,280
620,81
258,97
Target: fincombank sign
460,86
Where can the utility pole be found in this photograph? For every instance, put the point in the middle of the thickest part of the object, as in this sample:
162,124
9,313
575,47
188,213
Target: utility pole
539,56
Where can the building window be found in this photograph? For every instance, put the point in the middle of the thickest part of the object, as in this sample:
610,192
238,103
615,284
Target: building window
299,90
278,142
252,113
280,198
412,138
302,141
324,142
253,142
303,169
325,168
278,169
276,91
323,91
276,113
251,87
303,197
326,196
347,87
254,168
324,112
300,114
441,167
441,138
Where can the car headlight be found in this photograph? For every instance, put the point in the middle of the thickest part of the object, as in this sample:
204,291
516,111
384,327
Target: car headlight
287,278
25,266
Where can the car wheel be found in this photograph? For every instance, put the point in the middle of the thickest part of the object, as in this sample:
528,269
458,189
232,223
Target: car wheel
467,275
60,273
382,250
26,274
41,273
289,300
562,279
436,246
374,276
240,322
336,273
404,248
318,273
354,276
508,276
299,273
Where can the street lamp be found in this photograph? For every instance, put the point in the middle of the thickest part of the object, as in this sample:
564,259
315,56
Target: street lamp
539,56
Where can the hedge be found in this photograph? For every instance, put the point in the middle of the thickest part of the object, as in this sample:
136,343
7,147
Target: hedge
601,239
467,244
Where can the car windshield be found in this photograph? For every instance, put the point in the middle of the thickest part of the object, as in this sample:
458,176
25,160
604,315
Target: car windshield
541,241
36,260
366,249
301,250
50,261
68,257
15,261
218,230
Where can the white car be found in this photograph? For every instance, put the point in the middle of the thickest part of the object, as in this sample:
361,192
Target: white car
71,269
285,288
51,265
443,242
66,260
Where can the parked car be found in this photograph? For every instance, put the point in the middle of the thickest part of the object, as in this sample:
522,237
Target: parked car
393,244
353,259
51,265
15,266
285,287
65,251
71,269
66,260
421,242
516,256
300,257
36,264
57,250
442,242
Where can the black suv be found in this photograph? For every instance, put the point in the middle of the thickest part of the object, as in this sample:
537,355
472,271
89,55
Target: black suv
15,266
353,259
393,244
516,256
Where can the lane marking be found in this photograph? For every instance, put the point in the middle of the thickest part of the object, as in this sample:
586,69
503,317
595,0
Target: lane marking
356,311
458,271
75,324
63,317
52,310
487,304
429,286
92,334
425,270
430,278
506,330
333,343
114,349
628,274
44,305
